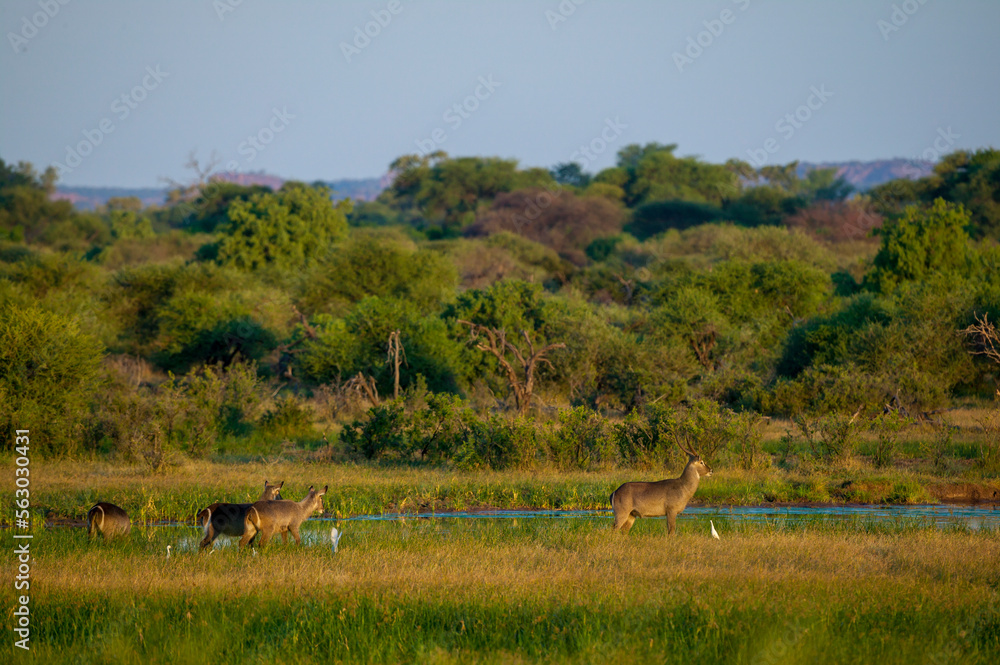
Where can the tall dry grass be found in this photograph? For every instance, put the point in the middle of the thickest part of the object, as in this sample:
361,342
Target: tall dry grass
422,590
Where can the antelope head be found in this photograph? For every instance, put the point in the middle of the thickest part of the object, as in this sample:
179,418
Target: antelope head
272,492
695,460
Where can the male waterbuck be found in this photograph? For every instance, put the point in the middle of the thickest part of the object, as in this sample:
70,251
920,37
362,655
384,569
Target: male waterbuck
666,497
107,519
227,519
271,517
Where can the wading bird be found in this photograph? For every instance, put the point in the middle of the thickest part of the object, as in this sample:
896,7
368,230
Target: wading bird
715,534
334,539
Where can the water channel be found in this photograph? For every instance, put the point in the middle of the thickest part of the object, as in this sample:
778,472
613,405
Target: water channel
316,531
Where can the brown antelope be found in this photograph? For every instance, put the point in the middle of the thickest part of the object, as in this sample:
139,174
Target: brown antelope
666,497
227,519
107,519
270,517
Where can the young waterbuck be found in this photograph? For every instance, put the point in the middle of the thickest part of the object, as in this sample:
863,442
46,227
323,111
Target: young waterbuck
666,497
271,517
107,519
227,519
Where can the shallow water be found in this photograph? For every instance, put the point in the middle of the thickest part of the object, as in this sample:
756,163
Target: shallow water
974,517
316,531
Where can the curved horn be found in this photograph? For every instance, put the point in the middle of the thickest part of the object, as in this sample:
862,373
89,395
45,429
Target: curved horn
685,450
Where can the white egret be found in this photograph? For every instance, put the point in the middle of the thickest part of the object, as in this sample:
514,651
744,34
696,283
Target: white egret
334,539
168,551
715,534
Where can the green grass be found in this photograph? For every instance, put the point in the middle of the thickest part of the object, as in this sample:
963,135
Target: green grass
526,590
67,489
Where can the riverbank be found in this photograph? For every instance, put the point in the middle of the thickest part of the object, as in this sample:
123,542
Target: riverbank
65,490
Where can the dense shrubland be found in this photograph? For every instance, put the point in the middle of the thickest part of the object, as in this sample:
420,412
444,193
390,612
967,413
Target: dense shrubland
576,320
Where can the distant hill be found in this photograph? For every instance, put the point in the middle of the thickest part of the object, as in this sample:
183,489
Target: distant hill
252,178
865,175
362,189
88,198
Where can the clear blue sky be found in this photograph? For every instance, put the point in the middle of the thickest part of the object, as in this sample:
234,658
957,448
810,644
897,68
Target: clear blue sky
891,93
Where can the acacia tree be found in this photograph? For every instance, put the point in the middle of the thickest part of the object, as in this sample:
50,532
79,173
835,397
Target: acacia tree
559,219
496,343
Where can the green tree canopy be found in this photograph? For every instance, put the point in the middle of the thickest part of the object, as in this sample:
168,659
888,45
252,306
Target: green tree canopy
969,178
49,370
920,244
287,229
371,263
448,192
26,211
359,341
653,173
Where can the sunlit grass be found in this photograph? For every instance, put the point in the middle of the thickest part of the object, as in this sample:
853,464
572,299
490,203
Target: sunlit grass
67,489
526,590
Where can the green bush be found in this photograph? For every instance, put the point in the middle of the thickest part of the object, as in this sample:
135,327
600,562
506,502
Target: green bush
385,265
495,442
748,432
920,244
831,438
582,440
288,229
886,427
49,370
653,218
342,348
288,419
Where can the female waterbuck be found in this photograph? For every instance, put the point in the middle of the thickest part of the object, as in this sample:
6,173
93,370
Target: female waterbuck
666,497
107,519
227,519
271,517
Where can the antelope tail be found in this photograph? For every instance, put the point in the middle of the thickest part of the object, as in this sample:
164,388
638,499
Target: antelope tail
253,518
612,499
91,518
205,518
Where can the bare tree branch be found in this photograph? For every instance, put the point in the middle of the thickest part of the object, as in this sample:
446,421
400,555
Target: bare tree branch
499,346
984,338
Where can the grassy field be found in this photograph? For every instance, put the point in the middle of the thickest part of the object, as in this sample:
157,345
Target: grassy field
67,489
529,590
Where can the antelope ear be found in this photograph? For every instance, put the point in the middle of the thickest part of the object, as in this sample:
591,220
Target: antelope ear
281,484
324,490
